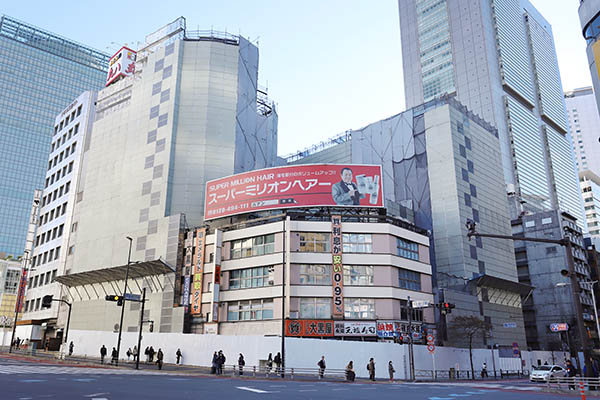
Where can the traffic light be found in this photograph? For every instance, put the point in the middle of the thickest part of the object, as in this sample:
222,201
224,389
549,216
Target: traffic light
47,301
564,272
471,228
151,326
446,308
114,297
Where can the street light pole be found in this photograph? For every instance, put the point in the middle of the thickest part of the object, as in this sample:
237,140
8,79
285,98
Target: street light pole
20,296
566,242
124,300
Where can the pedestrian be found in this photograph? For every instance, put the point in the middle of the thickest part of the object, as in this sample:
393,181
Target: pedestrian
71,345
114,356
269,363
220,362
241,364
159,358
350,374
215,358
391,371
128,353
484,373
18,342
178,355
151,353
277,361
135,353
102,354
322,367
371,369
147,354
571,372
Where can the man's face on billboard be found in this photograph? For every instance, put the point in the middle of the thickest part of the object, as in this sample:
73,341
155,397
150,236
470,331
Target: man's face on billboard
347,176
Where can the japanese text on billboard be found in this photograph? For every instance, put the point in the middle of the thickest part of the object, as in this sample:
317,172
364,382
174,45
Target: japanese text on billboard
337,268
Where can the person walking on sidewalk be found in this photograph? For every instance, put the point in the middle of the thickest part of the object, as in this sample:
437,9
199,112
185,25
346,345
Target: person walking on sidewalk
147,354
322,367
178,355
151,354
484,373
391,370
220,362
269,363
114,356
135,353
215,359
571,372
102,354
128,353
159,358
371,369
241,364
71,345
277,361
350,374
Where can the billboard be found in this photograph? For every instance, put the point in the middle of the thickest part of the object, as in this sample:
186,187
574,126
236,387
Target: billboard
305,327
337,268
121,64
311,185
196,301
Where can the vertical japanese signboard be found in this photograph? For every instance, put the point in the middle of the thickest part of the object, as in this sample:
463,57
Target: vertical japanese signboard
196,301
21,292
121,64
337,269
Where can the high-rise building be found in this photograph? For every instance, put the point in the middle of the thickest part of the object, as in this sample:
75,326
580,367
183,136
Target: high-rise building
40,74
589,16
498,57
10,273
590,187
444,163
191,111
71,128
584,121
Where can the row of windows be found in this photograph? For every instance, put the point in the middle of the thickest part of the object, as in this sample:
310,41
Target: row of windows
62,140
58,211
354,308
63,154
255,246
49,235
249,277
65,122
48,256
250,310
42,279
56,176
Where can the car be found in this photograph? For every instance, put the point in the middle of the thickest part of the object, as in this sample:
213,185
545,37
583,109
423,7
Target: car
544,372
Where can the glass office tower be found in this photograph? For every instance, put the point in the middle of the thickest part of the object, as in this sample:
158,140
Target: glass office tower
40,74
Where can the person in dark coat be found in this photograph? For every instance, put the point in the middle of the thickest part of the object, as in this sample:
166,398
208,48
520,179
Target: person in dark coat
391,371
102,354
151,353
371,369
350,374
215,359
269,363
178,355
147,354
241,363
277,361
114,356
220,362
71,345
159,358
571,373
322,367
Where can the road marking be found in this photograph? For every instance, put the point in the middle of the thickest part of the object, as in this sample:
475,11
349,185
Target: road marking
252,389
32,380
307,390
441,398
459,395
95,394
341,389
99,398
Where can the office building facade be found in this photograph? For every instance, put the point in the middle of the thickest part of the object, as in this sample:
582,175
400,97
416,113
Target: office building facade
444,163
589,16
10,274
583,122
498,57
590,188
40,74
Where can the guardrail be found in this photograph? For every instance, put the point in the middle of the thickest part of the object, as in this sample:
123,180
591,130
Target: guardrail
452,374
290,373
577,383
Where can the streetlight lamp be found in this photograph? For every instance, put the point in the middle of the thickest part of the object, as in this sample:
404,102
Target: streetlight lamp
124,300
592,283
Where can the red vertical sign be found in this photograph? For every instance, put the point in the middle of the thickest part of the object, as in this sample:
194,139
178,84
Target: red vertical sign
21,293
196,301
337,267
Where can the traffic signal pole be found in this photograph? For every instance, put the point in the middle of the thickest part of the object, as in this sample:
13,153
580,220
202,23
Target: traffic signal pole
575,289
139,348
124,300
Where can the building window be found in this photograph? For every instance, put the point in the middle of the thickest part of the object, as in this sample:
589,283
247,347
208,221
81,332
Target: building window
54,274
410,280
37,304
249,278
407,249
315,307
314,242
359,308
358,275
251,310
315,274
357,242
256,246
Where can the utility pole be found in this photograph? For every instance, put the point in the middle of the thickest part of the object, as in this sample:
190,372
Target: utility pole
575,289
411,358
139,348
124,300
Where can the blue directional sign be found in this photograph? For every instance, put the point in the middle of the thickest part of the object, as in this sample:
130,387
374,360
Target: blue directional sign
132,297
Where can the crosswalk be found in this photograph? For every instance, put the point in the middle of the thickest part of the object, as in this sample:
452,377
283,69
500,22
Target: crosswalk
482,385
11,369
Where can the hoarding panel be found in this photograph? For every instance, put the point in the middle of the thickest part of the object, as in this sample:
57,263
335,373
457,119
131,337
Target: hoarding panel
312,185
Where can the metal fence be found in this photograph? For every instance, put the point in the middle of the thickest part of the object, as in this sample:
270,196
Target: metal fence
287,373
574,383
453,374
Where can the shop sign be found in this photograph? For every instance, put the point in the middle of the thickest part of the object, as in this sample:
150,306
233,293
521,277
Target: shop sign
352,328
308,327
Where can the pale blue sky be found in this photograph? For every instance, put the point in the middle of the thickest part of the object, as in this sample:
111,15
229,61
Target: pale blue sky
329,65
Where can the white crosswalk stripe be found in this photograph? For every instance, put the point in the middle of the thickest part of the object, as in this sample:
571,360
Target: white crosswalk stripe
39,369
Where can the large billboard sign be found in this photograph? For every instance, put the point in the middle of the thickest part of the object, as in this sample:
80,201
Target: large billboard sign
311,185
337,267
121,64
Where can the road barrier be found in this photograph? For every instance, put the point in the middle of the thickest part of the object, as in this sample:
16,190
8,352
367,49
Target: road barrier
453,374
567,384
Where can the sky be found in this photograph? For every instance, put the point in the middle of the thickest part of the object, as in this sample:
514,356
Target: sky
330,66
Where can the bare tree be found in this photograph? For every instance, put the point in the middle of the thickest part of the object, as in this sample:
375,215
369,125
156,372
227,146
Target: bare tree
469,328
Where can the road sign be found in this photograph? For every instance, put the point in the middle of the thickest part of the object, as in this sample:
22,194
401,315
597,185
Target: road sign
559,327
431,348
510,324
420,304
132,297
430,339
515,345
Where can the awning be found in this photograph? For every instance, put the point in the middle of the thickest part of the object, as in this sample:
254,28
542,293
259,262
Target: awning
111,274
499,283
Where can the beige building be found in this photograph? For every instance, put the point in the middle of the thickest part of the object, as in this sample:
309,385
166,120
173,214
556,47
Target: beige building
10,274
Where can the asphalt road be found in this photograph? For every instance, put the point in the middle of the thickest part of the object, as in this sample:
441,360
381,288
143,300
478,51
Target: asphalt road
20,380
